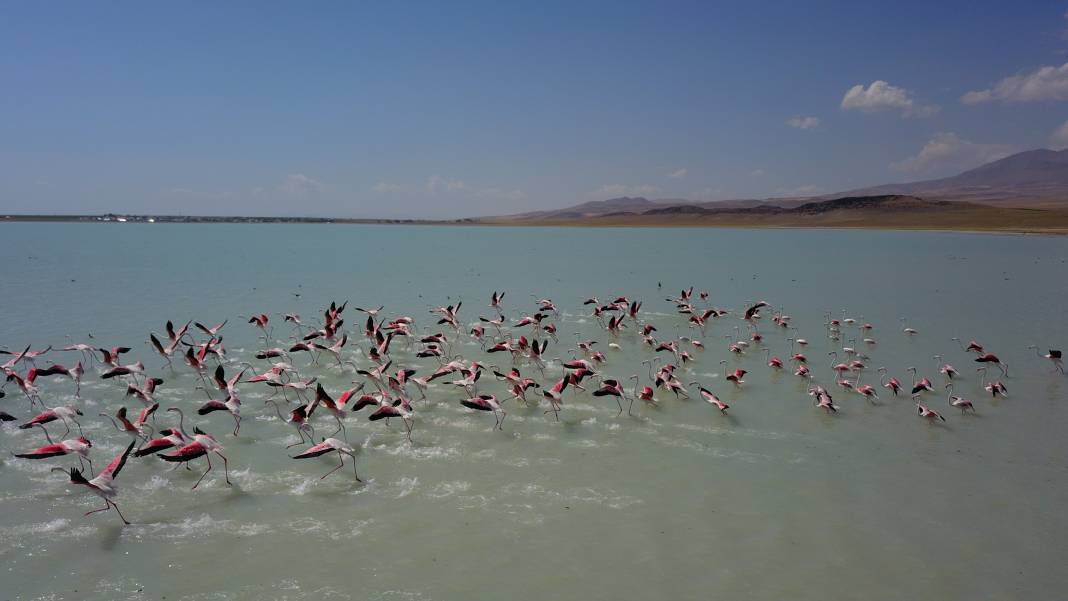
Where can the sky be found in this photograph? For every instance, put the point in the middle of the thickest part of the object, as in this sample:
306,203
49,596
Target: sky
448,110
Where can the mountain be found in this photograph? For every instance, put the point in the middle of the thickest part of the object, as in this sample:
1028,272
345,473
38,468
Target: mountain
1032,178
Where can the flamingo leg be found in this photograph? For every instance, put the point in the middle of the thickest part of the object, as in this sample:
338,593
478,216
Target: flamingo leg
341,463
208,457
121,517
226,467
107,506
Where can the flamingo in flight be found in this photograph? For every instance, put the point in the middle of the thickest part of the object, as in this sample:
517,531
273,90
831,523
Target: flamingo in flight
1053,356
103,485
203,445
331,445
73,446
487,402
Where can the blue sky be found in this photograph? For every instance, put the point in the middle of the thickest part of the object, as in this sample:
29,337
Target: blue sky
456,109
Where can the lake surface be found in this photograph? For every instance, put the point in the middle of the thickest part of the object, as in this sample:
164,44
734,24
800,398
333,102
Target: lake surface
776,500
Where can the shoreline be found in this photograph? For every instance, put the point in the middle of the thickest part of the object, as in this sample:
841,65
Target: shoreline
1060,229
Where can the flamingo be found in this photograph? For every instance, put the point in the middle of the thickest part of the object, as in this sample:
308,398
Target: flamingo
138,429
712,399
298,418
888,382
773,362
203,445
960,402
930,414
973,346
919,386
555,395
73,446
400,408
823,399
945,369
1053,356
487,402
103,485
212,331
231,404
611,387
331,445
62,413
736,376
168,439
992,358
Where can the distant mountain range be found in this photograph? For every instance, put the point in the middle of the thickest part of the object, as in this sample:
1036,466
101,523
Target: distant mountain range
1032,179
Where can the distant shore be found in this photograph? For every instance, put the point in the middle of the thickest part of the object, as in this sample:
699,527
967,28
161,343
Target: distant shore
987,220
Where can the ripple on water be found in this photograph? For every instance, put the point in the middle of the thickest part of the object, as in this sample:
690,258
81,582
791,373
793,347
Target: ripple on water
203,526
448,489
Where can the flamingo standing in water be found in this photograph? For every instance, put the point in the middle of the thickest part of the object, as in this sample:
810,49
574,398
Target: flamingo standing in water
330,445
960,402
930,414
103,485
889,382
945,369
994,388
919,386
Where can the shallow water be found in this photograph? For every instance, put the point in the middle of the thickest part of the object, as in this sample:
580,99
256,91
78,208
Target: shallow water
774,500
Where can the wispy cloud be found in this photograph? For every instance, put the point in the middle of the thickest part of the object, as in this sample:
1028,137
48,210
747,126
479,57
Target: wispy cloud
947,150
298,184
757,173
436,184
801,122
881,96
678,173
1059,138
1044,83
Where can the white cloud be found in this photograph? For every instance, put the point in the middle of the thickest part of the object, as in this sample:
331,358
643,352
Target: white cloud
803,122
616,190
442,184
301,185
1059,138
757,173
881,96
387,188
678,173
949,151
1044,83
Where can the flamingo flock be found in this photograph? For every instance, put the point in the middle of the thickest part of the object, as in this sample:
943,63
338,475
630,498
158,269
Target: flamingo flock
393,358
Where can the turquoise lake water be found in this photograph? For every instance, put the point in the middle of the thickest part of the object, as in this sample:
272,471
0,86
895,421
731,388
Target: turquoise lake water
775,500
